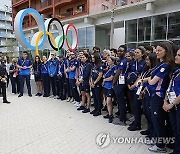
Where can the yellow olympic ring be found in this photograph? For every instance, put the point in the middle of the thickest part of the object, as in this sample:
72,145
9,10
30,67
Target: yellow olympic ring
39,37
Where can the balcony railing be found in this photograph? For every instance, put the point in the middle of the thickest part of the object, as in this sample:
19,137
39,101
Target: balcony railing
73,13
46,3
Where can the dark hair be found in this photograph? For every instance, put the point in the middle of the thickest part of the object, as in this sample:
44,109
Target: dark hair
96,48
86,55
114,50
169,52
97,58
25,52
148,47
153,59
35,62
124,47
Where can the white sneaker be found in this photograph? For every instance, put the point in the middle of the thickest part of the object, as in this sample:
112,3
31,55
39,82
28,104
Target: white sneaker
73,102
149,142
52,96
77,104
55,97
68,99
156,149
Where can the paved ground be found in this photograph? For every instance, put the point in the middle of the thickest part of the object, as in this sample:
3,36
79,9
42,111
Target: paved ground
44,125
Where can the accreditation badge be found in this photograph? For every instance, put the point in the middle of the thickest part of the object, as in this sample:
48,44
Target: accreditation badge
121,79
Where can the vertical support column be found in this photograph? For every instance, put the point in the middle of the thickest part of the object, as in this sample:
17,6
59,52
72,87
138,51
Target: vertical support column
54,11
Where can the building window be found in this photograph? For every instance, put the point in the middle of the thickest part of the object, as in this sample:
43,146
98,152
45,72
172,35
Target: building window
131,31
160,27
144,29
81,8
69,11
174,26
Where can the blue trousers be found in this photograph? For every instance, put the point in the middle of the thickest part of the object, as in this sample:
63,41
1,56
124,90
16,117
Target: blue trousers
15,84
96,91
158,118
53,83
62,87
147,113
74,90
120,96
174,116
22,78
46,84
137,108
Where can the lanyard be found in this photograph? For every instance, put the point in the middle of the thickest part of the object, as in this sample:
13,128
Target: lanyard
146,73
172,81
109,70
136,65
156,68
23,62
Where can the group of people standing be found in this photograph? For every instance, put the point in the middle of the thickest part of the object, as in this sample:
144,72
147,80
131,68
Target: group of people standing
145,80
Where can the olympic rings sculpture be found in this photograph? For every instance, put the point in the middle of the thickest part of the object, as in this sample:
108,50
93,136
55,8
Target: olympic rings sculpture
39,38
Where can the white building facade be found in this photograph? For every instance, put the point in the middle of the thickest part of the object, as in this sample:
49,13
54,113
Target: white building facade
144,22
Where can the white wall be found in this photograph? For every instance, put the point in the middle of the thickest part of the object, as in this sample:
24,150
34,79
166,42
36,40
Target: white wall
119,37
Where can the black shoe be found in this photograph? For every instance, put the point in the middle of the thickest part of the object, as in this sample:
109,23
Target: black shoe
97,114
134,128
92,112
59,98
30,95
40,94
7,102
131,124
106,116
117,113
20,95
111,118
145,132
86,110
81,108
45,96
104,108
37,94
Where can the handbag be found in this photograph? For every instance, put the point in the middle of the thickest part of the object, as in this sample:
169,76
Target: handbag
131,79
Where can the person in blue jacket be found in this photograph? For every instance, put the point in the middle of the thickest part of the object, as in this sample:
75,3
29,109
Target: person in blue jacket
135,69
73,65
119,87
158,84
45,77
61,79
108,86
24,64
66,71
53,64
172,103
84,79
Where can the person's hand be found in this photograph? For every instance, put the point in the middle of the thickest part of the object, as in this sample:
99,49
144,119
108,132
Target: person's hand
24,67
138,82
167,107
103,83
81,80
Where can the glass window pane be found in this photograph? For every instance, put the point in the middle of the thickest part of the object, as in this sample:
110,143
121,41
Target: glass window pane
174,25
81,37
144,29
131,31
89,36
160,27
